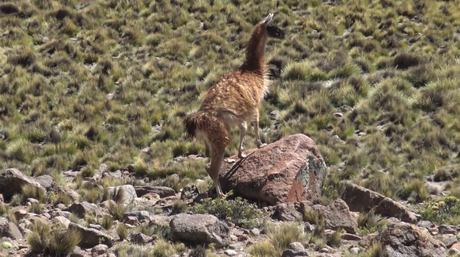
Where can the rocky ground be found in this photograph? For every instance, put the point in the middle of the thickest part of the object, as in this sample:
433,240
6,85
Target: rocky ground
138,216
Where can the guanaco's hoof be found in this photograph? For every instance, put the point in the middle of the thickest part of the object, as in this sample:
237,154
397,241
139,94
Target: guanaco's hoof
230,160
262,145
241,156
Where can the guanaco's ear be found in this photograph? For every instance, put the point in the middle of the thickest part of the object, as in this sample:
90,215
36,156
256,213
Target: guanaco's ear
268,19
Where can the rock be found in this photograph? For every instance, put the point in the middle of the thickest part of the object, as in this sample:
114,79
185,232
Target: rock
189,192
199,229
73,195
338,216
447,229
160,190
131,220
78,252
61,220
290,211
293,253
140,239
95,226
406,240
2,200
12,181
255,231
160,220
99,249
20,214
140,215
230,252
361,199
46,181
455,246
91,237
288,170
81,209
9,229
350,237
129,193
296,246
354,250
447,239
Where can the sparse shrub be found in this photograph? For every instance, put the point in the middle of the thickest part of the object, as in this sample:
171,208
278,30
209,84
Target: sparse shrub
335,239
9,8
60,197
53,241
31,191
122,231
35,208
279,238
107,222
24,57
87,172
442,210
238,211
179,206
415,191
3,209
117,210
296,71
371,222
376,249
406,60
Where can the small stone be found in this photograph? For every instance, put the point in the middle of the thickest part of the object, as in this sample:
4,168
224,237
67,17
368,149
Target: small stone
324,250
131,220
354,250
242,237
140,238
350,237
338,115
20,214
296,246
230,252
100,249
32,200
292,253
95,226
45,39
255,231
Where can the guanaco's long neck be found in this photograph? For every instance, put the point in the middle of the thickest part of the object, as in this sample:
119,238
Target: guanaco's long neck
255,50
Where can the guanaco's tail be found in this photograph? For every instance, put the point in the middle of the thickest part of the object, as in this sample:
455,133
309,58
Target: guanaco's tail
196,121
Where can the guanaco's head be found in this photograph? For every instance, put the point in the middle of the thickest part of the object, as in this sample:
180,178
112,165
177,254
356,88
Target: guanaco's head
269,29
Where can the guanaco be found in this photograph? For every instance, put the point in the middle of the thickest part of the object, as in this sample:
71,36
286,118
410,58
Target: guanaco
234,100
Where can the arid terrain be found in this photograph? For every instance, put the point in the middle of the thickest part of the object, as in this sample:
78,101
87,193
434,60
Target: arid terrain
94,160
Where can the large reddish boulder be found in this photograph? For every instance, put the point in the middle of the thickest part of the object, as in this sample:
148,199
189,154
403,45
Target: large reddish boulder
288,170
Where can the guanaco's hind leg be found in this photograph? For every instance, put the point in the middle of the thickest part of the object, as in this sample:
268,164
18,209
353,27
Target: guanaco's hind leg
255,123
243,126
217,157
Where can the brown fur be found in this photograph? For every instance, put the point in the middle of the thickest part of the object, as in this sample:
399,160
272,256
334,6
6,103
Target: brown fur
233,100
